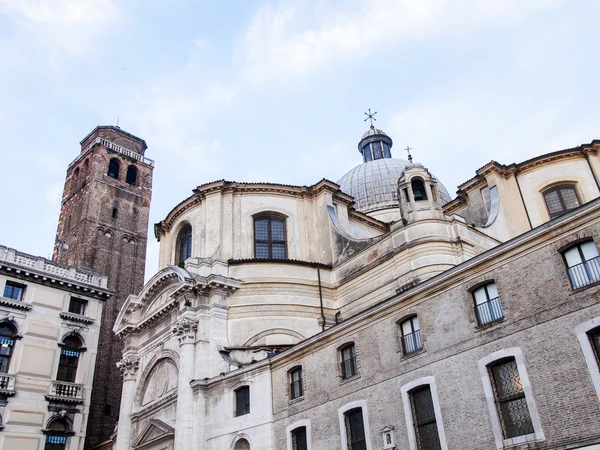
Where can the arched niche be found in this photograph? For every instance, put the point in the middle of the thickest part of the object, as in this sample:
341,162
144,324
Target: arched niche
161,380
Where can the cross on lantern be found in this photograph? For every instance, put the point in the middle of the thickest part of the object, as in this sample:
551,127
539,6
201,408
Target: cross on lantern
408,149
371,117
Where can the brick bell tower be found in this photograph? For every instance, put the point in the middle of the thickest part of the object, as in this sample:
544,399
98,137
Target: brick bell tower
103,226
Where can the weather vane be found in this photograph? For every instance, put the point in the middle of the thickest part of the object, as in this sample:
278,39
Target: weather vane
408,149
371,117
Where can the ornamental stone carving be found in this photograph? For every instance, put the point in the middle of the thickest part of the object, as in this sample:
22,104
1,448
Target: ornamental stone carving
185,330
128,366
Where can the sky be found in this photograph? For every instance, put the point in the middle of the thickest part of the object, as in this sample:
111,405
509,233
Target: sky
276,90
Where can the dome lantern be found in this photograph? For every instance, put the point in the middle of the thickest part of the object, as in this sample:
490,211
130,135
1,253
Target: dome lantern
375,144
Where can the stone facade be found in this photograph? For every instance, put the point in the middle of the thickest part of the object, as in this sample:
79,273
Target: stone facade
45,307
257,281
103,226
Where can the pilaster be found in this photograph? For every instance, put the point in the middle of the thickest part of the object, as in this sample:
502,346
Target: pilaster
128,366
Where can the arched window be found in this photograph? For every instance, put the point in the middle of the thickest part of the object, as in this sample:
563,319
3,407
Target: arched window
131,177
561,199
184,243
56,435
269,237
411,335
418,188
113,168
7,341
69,359
423,418
242,444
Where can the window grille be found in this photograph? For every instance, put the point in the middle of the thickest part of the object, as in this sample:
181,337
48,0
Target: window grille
355,429
583,263
424,420
487,304
561,199
510,399
269,237
299,439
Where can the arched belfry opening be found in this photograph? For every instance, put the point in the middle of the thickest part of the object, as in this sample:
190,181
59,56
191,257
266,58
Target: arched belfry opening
114,166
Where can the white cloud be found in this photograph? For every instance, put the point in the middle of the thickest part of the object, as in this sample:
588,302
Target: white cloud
70,26
281,41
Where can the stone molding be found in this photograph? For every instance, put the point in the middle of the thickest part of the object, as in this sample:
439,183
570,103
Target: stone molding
128,366
185,330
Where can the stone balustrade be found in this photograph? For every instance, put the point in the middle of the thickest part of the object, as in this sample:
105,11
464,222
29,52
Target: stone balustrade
65,391
52,269
115,148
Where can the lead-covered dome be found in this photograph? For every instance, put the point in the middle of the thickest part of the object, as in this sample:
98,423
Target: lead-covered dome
374,183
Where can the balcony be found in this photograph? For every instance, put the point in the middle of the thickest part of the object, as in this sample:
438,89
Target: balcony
412,342
7,384
65,392
490,311
588,272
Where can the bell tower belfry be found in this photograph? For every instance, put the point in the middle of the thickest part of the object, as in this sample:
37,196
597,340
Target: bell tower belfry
103,226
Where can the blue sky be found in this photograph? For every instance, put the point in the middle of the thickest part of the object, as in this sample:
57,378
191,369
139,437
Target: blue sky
276,90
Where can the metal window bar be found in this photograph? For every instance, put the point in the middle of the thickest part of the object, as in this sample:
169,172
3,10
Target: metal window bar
585,273
355,430
424,419
510,400
349,368
412,342
489,311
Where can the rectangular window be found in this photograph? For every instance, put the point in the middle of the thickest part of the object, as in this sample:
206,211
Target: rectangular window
14,291
487,304
411,335
296,383
355,429
242,401
510,399
349,368
424,420
77,306
583,264
299,440
594,336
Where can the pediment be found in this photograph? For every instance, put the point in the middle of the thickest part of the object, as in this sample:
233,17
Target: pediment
155,431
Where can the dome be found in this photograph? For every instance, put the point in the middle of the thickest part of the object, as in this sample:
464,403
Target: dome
374,184
373,132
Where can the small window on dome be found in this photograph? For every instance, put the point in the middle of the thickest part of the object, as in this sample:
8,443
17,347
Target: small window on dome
386,151
377,151
367,153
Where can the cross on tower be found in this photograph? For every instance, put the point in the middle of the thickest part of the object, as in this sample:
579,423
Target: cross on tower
371,117
408,149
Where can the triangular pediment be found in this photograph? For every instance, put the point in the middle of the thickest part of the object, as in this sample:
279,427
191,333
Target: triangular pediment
154,431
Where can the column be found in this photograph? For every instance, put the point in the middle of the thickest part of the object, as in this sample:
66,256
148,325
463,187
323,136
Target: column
128,366
185,330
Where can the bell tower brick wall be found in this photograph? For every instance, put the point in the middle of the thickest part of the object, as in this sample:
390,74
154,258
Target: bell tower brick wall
103,226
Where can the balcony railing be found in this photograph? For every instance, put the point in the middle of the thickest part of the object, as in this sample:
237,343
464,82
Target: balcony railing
587,272
65,391
7,384
412,342
490,311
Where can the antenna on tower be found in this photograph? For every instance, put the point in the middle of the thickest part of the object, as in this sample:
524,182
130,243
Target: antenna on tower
118,121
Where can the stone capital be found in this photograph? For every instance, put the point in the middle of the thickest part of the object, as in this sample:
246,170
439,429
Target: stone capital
128,366
185,330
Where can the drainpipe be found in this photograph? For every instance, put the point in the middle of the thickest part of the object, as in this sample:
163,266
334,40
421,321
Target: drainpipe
522,200
321,298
